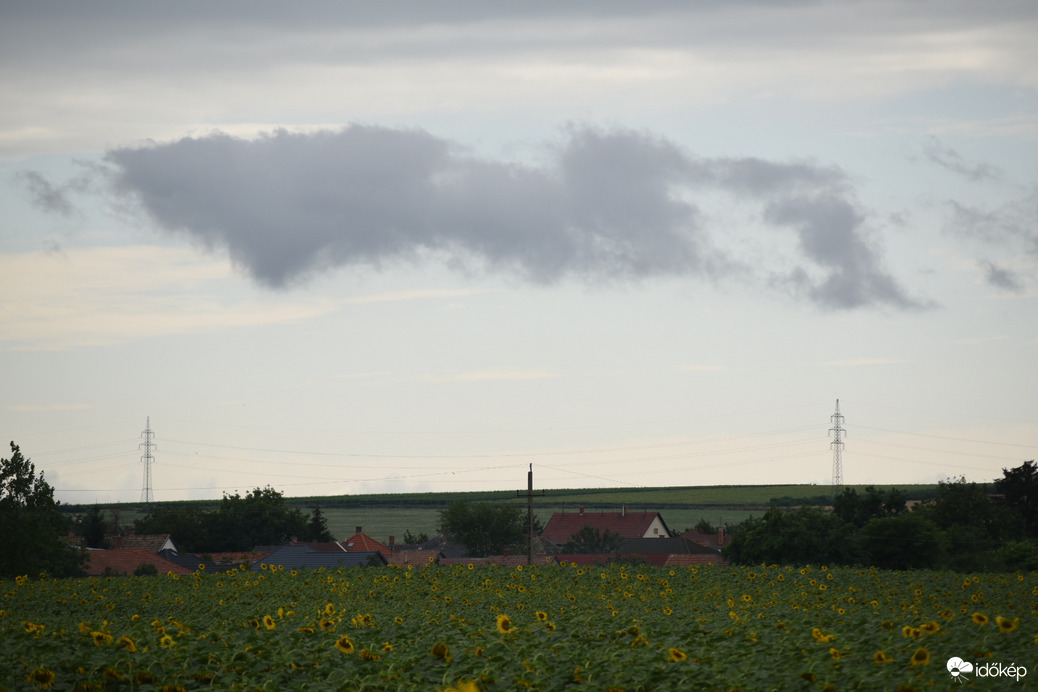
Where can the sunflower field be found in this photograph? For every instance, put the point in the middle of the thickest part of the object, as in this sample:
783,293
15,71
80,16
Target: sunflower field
546,627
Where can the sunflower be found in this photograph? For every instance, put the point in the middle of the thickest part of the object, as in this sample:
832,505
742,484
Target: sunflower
504,624
541,615
305,630
676,655
167,642
329,610
344,644
1005,624
980,619
921,657
101,638
328,625
269,623
41,677
880,657
930,627
911,632
126,643
835,653
441,651
368,655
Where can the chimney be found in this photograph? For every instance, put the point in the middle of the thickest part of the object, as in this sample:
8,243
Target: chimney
720,536
392,541
359,529
623,511
118,541
581,511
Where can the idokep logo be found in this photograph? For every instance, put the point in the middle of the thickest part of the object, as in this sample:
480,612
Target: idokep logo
959,668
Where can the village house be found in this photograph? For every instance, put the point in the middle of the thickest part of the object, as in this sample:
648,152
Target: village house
563,525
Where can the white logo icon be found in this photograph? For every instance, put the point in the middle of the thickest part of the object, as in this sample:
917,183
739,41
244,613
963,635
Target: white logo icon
956,666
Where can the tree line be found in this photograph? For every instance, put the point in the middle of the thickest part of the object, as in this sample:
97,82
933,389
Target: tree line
965,527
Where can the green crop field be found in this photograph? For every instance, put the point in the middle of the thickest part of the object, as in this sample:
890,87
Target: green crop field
546,627
382,516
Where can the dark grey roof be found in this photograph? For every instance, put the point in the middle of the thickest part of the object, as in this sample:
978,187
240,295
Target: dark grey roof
304,557
188,560
664,546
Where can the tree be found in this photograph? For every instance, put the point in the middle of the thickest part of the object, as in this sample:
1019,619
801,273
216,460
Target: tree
31,525
589,540
1019,490
94,529
905,541
794,537
874,504
485,528
259,518
415,539
317,527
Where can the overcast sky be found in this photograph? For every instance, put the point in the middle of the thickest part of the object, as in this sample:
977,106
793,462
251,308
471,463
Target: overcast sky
350,247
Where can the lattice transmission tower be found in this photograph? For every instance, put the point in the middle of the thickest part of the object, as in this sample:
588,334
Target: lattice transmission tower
148,460
837,444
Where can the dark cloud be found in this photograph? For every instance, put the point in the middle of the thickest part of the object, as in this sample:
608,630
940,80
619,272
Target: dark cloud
1001,278
604,205
949,159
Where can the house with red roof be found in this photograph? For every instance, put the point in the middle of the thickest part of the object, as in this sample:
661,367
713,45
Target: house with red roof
362,542
563,525
126,561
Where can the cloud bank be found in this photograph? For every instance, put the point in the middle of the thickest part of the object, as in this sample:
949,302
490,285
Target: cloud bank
602,206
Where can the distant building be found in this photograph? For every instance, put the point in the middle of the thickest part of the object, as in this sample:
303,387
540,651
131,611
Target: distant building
563,525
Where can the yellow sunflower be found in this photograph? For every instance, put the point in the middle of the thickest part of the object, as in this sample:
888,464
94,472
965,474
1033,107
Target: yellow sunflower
504,624
676,655
41,677
344,644
1006,625
921,657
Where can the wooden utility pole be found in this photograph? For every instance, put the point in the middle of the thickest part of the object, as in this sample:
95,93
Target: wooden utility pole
529,513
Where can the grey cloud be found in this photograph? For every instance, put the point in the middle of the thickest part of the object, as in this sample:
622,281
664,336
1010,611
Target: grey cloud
46,195
1014,224
949,159
1001,278
603,206
829,229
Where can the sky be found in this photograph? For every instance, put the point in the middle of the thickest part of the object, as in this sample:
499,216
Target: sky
351,247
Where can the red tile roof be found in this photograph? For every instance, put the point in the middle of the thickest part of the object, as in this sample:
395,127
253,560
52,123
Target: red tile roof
418,558
362,542
152,543
504,560
126,560
694,560
563,525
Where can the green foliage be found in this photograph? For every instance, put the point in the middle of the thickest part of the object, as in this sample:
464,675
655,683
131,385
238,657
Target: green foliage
589,540
545,627
485,528
415,539
31,524
94,529
704,526
260,517
789,537
317,527
903,541
873,504
963,527
146,569
1019,489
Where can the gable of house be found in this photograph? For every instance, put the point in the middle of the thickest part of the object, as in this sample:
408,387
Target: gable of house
153,543
563,525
